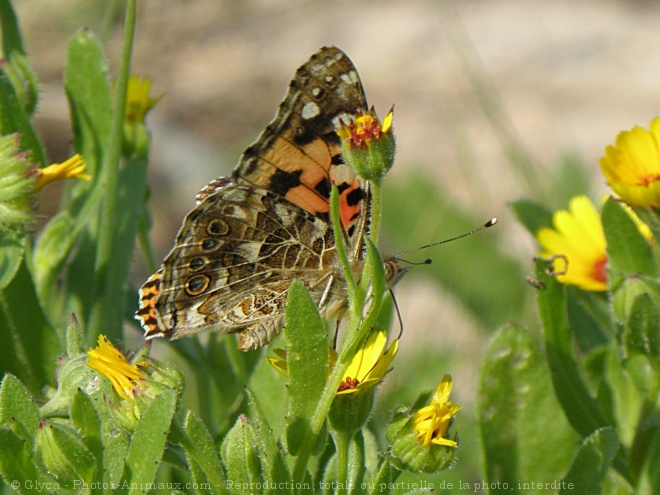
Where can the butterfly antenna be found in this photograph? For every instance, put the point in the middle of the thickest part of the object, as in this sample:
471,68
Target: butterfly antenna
487,225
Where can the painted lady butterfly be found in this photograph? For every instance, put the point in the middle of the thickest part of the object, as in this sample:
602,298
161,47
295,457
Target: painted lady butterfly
253,233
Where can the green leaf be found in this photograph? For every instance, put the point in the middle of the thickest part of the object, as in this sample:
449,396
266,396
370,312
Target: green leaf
11,257
74,337
11,33
148,442
14,119
16,404
61,452
86,82
649,482
386,475
374,272
133,183
307,358
644,327
202,455
580,408
629,252
51,251
515,410
649,216
592,462
274,466
627,399
591,313
268,386
31,346
16,465
241,458
533,216
87,423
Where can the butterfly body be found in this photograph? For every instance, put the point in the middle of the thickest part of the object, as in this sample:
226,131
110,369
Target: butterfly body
253,233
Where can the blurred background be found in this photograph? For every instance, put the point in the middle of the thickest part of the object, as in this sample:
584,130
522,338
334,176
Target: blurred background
496,101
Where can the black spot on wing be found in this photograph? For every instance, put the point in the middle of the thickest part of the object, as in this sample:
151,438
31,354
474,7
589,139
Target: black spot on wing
324,188
355,196
337,160
342,187
281,182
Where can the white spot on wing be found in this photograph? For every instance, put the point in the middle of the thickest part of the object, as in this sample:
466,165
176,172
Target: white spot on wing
350,78
310,110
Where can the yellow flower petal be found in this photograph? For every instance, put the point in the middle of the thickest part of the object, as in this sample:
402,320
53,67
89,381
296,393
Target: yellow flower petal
138,101
369,365
73,168
111,363
632,165
431,422
578,236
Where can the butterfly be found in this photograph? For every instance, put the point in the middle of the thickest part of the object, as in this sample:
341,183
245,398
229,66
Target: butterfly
251,234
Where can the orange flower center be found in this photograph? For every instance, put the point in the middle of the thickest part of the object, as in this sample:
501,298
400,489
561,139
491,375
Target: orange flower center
648,179
348,384
599,271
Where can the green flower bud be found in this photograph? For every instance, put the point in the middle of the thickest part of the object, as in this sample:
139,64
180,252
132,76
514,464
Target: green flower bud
368,146
138,104
62,453
418,434
16,185
349,412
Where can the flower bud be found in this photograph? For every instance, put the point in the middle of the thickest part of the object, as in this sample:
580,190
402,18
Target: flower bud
418,434
368,146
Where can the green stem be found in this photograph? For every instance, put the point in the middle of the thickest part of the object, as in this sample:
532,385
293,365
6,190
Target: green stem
376,210
358,329
104,281
343,443
338,230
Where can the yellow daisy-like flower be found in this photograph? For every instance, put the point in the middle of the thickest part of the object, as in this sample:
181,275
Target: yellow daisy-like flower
73,168
578,236
431,422
138,101
369,365
632,165
111,363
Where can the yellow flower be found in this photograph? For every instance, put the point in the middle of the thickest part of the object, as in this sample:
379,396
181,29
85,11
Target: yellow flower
111,363
359,132
431,422
578,236
138,102
74,168
632,165
369,365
